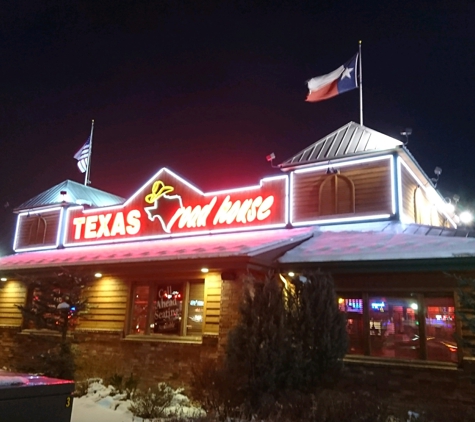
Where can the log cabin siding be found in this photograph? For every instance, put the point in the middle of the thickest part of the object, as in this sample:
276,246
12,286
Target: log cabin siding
107,299
372,182
38,229
11,293
212,304
408,186
417,207
107,305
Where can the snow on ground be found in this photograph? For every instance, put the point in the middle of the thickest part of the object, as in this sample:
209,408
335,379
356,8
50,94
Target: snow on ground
87,410
104,404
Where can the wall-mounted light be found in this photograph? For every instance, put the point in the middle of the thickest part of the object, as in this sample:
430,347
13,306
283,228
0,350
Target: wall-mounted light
466,217
332,170
406,132
438,172
204,270
290,273
98,275
449,206
3,279
270,158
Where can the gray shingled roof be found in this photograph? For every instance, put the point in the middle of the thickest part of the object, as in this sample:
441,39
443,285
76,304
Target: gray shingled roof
76,193
351,139
381,241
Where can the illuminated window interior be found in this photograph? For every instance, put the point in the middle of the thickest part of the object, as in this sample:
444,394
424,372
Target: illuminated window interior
392,328
173,308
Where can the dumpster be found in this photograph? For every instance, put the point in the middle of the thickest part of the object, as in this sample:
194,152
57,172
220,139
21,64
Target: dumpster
34,398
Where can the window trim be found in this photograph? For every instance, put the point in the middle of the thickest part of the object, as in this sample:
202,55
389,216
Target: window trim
420,298
154,285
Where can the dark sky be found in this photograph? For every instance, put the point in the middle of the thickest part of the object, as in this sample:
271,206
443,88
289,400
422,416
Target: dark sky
208,89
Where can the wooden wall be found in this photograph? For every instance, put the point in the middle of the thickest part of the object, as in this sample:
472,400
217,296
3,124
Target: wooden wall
107,299
416,206
11,293
212,299
372,183
38,229
108,304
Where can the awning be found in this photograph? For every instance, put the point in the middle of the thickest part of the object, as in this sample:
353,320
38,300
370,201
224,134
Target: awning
232,245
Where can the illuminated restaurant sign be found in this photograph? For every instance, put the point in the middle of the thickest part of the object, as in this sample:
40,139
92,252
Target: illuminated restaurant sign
167,205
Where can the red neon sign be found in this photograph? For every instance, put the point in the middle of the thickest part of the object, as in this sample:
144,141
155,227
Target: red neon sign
169,206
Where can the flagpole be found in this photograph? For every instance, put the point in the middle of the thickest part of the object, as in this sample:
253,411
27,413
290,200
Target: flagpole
361,85
87,182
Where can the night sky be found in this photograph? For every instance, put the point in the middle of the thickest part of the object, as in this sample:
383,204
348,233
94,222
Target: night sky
209,89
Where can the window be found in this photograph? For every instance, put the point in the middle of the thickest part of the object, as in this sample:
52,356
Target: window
440,329
37,234
37,230
404,327
50,306
354,323
172,309
394,327
337,195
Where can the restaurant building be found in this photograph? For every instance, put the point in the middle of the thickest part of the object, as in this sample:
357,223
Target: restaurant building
171,260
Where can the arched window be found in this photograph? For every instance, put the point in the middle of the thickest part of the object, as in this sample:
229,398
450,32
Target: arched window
37,231
424,211
337,195
418,198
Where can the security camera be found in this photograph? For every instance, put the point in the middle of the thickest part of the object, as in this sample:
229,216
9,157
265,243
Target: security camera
270,157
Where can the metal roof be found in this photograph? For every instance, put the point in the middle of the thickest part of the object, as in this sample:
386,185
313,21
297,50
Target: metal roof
351,139
215,246
76,193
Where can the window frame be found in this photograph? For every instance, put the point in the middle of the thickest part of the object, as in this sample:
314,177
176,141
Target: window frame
154,286
420,298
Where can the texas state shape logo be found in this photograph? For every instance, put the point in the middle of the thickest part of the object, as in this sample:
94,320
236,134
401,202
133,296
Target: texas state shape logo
162,203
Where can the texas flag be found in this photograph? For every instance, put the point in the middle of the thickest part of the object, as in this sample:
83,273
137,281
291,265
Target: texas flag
337,82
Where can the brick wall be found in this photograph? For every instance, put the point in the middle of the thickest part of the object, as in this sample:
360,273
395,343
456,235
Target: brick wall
407,384
7,346
101,354
231,295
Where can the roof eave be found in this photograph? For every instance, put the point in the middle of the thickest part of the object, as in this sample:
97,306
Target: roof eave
395,265
352,157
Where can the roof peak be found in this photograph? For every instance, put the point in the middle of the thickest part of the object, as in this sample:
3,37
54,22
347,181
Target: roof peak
70,192
349,140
